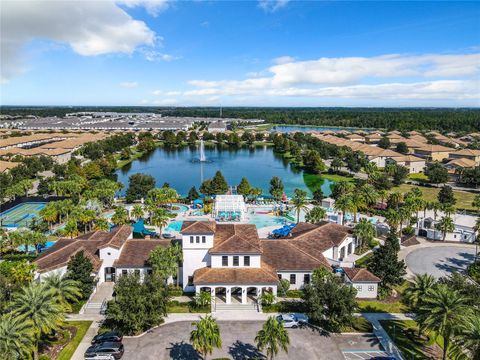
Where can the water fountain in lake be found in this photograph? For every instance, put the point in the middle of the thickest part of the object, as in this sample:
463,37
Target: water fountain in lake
202,152
202,158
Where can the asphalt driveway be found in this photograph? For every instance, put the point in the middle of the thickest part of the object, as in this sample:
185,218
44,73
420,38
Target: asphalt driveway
171,341
441,260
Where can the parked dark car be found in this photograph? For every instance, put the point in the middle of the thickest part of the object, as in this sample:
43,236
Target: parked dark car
111,336
107,348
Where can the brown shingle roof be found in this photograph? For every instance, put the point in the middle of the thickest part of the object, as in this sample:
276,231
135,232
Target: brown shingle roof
60,253
462,162
236,238
281,255
135,253
315,239
198,227
236,276
360,275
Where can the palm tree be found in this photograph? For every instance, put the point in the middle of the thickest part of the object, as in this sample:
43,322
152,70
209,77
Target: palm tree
204,298
369,194
160,219
299,202
358,202
49,214
206,336
393,218
364,231
445,225
101,224
120,217
343,204
66,290
467,340
16,337
71,228
418,290
441,313
315,215
137,211
38,303
272,337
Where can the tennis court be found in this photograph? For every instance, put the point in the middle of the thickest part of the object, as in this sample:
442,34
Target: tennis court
21,214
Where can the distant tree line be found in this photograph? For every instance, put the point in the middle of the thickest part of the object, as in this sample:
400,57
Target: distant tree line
446,120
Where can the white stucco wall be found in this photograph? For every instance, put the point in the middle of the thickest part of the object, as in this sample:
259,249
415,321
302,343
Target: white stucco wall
299,278
193,259
365,290
108,255
41,276
216,261
143,271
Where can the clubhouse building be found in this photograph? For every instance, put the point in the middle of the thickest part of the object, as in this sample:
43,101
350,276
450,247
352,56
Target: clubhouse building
229,260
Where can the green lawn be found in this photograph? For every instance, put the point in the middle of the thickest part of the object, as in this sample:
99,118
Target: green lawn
381,306
186,307
82,327
360,324
464,198
337,178
405,335
420,177
362,262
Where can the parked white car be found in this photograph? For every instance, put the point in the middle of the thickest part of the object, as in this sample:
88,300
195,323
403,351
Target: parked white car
292,320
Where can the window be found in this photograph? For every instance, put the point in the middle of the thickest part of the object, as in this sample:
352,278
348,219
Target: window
124,272
137,272
149,271
359,287
235,261
306,278
197,239
371,288
191,239
204,239
293,278
190,280
279,276
246,261
224,260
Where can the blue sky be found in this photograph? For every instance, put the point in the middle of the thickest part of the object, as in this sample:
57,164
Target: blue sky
259,53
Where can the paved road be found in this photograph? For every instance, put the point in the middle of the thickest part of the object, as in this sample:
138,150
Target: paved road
171,341
440,261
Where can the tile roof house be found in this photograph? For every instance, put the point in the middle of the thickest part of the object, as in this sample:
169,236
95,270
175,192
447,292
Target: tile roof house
101,247
433,152
363,281
470,154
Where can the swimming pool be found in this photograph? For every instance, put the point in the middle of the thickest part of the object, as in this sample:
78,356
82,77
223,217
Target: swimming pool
174,226
30,248
21,214
265,220
179,208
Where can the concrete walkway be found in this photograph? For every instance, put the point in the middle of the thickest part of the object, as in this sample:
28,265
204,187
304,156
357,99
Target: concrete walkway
382,335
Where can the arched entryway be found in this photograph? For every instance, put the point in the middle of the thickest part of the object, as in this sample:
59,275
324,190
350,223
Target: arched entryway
221,294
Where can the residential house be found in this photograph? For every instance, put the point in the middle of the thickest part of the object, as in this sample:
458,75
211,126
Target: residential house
412,163
363,281
470,154
433,152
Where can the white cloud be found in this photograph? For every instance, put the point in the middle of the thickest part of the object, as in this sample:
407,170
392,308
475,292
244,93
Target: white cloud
128,84
272,5
166,93
153,55
90,28
431,76
283,60
153,7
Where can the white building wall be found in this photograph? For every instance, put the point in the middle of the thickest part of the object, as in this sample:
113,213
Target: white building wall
216,261
108,255
192,260
365,290
41,276
143,271
299,278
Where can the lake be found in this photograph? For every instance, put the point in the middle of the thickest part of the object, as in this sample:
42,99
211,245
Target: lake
293,128
258,165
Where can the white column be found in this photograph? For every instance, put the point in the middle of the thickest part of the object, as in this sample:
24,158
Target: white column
244,295
197,290
274,291
212,293
228,292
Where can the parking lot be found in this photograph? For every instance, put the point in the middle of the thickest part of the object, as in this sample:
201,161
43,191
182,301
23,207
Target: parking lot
172,342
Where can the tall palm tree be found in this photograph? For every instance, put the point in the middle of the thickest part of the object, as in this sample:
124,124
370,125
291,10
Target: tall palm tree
49,214
441,313
206,336
445,225
137,211
343,204
160,219
66,290
71,228
358,202
393,218
364,231
16,337
299,202
39,304
418,290
466,345
315,215
101,224
369,194
272,337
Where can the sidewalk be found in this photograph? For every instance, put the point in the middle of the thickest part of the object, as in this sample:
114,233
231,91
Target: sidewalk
380,332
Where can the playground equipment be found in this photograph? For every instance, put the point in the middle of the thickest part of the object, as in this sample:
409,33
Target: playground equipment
139,228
